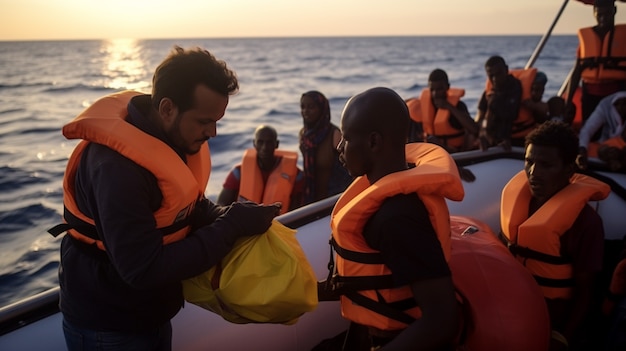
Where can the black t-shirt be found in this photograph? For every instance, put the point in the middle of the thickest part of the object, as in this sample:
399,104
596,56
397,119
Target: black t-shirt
504,106
401,230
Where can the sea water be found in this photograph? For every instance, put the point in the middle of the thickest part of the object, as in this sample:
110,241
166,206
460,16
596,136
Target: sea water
44,84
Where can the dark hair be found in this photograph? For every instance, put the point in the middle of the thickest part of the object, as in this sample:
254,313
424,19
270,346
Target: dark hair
494,61
438,75
603,3
321,101
183,70
556,134
556,102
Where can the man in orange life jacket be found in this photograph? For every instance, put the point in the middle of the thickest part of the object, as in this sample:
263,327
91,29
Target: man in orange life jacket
271,176
394,252
445,119
535,103
137,219
600,60
551,229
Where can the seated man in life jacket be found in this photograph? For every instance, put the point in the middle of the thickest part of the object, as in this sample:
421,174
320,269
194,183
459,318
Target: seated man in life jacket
609,119
445,119
535,103
391,270
265,175
555,234
499,105
600,60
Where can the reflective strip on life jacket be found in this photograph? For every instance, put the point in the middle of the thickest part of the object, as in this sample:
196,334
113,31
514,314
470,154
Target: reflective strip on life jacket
434,178
279,184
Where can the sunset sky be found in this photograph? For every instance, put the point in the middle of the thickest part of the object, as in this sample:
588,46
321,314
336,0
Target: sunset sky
143,19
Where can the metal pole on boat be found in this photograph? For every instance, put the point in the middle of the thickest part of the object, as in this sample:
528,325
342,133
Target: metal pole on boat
565,83
542,42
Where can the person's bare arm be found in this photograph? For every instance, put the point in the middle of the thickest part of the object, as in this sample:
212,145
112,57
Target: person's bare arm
537,108
227,197
461,115
439,322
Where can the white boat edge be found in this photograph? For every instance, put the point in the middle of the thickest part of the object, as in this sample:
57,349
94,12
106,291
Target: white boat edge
35,322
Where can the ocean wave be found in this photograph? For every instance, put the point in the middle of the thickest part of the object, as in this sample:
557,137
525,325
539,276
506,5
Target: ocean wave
25,85
79,87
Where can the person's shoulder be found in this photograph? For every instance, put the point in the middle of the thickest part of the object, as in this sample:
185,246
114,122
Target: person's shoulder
461,105
589,216
103,156
235,172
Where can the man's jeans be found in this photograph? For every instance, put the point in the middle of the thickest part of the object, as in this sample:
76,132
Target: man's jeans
82,339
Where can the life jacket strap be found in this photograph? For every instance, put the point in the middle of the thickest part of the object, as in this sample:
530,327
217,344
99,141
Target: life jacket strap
526,252
607,62
344,285
554,283
388,310
354,256
89,230
446,137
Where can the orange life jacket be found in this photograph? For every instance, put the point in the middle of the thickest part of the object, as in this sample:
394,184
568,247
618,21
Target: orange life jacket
279,184
593,147
536,240
524,123
181,184
434,178
438,124
602,58
415,111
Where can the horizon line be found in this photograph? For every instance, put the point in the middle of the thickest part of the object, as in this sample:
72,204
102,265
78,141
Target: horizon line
286,37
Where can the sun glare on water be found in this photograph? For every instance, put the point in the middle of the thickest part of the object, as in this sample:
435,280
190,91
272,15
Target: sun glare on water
124,66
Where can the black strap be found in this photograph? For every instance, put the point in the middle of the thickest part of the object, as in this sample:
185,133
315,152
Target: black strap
73,222
526,252
612,63
354,256
344,285
381,308
446,137
554,283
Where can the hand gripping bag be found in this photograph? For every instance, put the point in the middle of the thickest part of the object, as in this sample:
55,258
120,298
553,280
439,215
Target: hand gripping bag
264,279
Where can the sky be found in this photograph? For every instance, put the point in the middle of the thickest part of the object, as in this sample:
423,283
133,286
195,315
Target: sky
152,19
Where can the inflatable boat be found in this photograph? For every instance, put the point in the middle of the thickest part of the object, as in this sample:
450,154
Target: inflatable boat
35,323
502,307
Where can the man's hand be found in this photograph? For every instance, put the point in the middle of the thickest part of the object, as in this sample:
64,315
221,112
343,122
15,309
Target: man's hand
251,218
505,144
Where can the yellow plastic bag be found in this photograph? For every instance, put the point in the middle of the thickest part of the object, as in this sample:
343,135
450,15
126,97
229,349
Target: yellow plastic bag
264,279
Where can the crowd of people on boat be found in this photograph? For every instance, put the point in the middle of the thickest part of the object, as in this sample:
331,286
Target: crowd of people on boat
139,223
